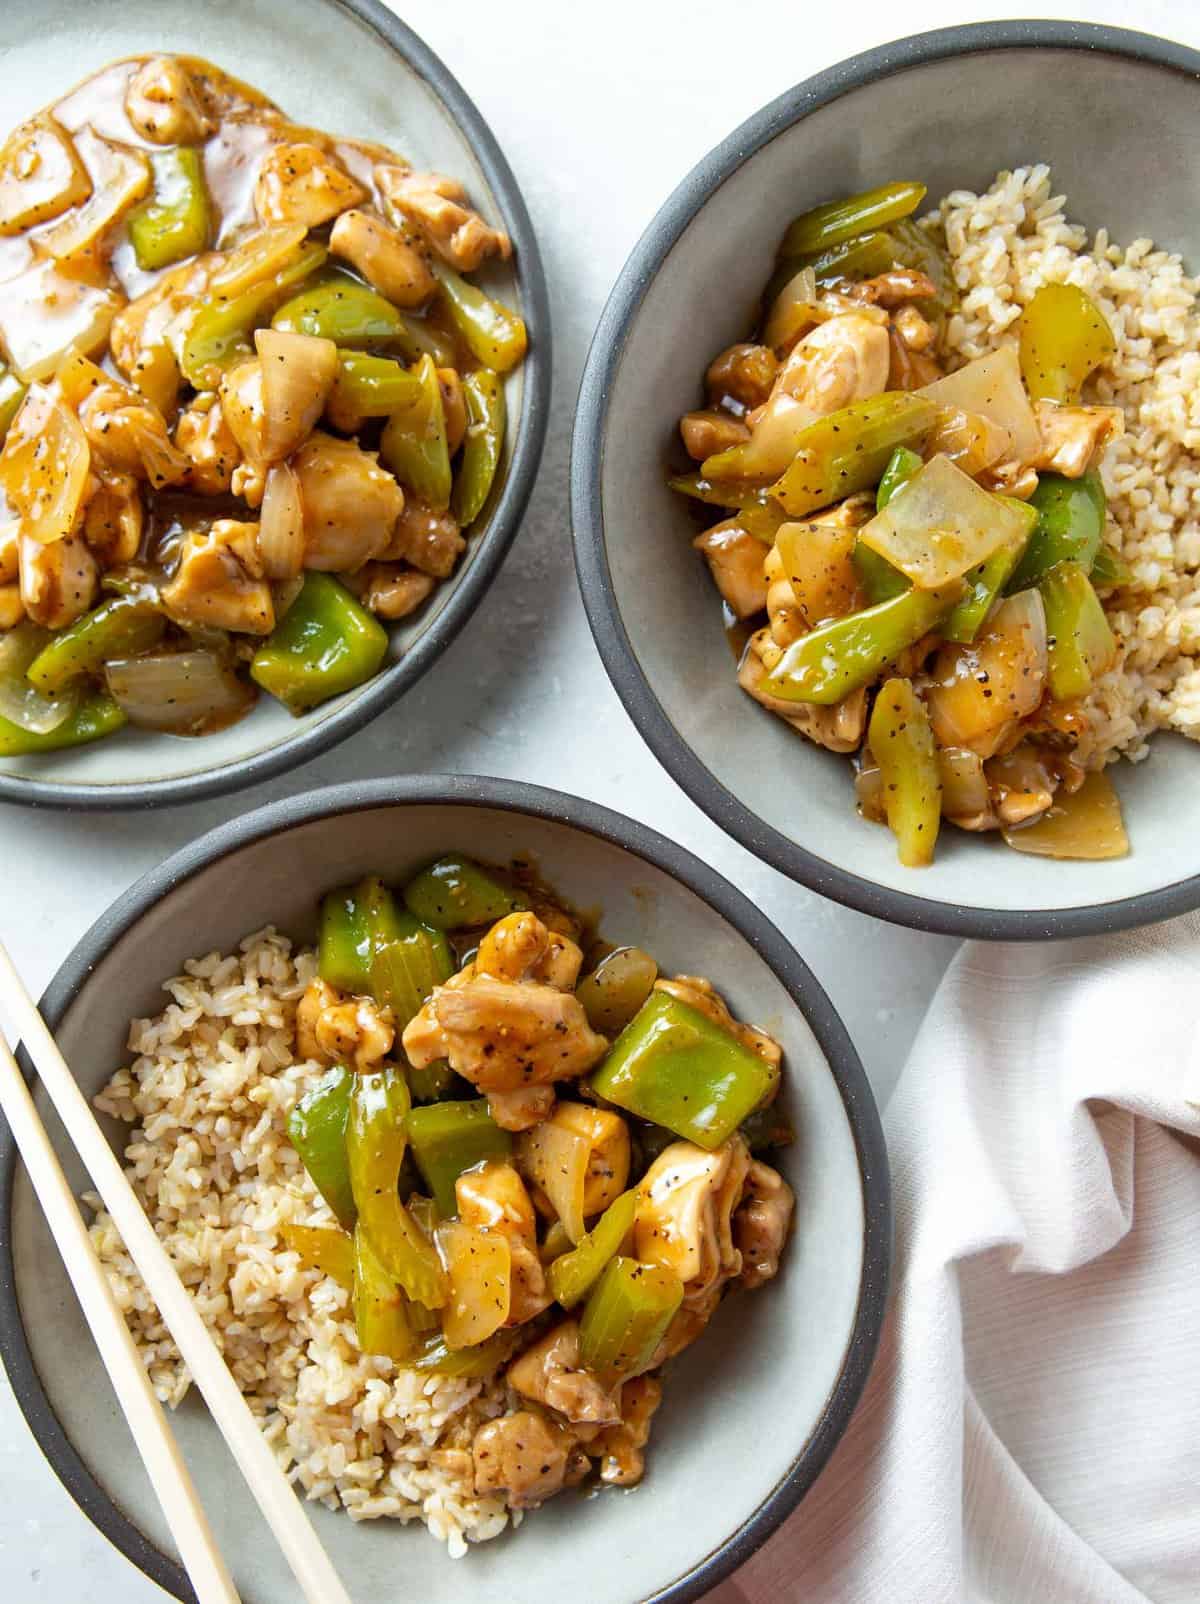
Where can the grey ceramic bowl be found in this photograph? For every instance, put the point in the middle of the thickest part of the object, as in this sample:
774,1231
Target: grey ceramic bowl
752,1412
352,67
1117,115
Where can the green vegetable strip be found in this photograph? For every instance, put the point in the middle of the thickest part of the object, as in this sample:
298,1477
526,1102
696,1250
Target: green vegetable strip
450,1138
317,1129
455,894
573,1275
1069,528
122,627
381,1315
626,1317
176,221
92,720
825,665
837,221
326,644
850,450
483,393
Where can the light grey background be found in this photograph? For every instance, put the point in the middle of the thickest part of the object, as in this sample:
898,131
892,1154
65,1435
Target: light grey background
601,110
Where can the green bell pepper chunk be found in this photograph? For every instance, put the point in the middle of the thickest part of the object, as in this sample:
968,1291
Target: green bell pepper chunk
340,308
324,645
122,627
828,663
321,1248
483,393
437,1081
493,335
1064,336
176,220
1109,570
381,1312
626,1317
848,451
376,1142
733,495
574,1274
1069,528
903,465
449,1138
1080,641
456,894
317,1130
986,581
837,221
12,393
672,1065
616,988
357,923
901,741
437,1358
369,387
219,332
94,718
414,441
864,257
407,965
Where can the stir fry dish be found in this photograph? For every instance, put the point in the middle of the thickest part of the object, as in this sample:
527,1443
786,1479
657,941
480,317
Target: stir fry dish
913,555
250,404
527,1173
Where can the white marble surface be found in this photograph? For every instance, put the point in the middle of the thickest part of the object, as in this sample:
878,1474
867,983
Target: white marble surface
601,111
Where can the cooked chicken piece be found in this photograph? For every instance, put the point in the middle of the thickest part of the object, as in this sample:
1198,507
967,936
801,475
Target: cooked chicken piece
549,1373
909,369
523,1456
384,257
301,183
706,433
760,1223
520,947
787,620
620,1448
139,338
504,1035
220,581
126,434
393,590
1022,784
427,540
735,560
206,440
607,1136
742,373
685,1210
350,503
493,1197
1014,479
521,1110
437,207
335,1029
839,728
703,996
165,104
113,519
843,360
914,331
893,288
454,407
59,582
1073,438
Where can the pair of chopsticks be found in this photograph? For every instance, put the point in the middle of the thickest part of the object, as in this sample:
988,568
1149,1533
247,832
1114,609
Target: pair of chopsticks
160,1453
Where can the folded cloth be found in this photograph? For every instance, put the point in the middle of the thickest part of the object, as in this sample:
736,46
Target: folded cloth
1031,1431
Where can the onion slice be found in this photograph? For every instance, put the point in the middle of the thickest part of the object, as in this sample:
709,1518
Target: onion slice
20,703
182,693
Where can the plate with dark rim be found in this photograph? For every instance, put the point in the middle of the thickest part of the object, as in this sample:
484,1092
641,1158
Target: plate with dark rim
764,1396
950,108
351,67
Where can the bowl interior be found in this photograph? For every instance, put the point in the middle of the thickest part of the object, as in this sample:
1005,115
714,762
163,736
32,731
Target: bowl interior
1122,137
740,1406
324,65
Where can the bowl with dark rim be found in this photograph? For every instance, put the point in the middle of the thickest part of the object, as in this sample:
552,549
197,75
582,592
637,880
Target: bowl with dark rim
950,108
768,1391
350,67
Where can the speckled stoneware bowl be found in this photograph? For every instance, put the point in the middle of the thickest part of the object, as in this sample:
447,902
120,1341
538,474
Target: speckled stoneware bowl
1117,115
751,1413
349,66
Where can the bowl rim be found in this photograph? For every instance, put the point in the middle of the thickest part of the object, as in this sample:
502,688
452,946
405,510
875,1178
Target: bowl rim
587,464
490,549
632,837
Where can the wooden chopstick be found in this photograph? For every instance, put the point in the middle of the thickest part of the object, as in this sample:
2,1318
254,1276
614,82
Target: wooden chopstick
155,1442
293,1531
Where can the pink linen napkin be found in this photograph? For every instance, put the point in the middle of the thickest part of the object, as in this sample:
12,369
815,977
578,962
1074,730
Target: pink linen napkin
1031,1431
